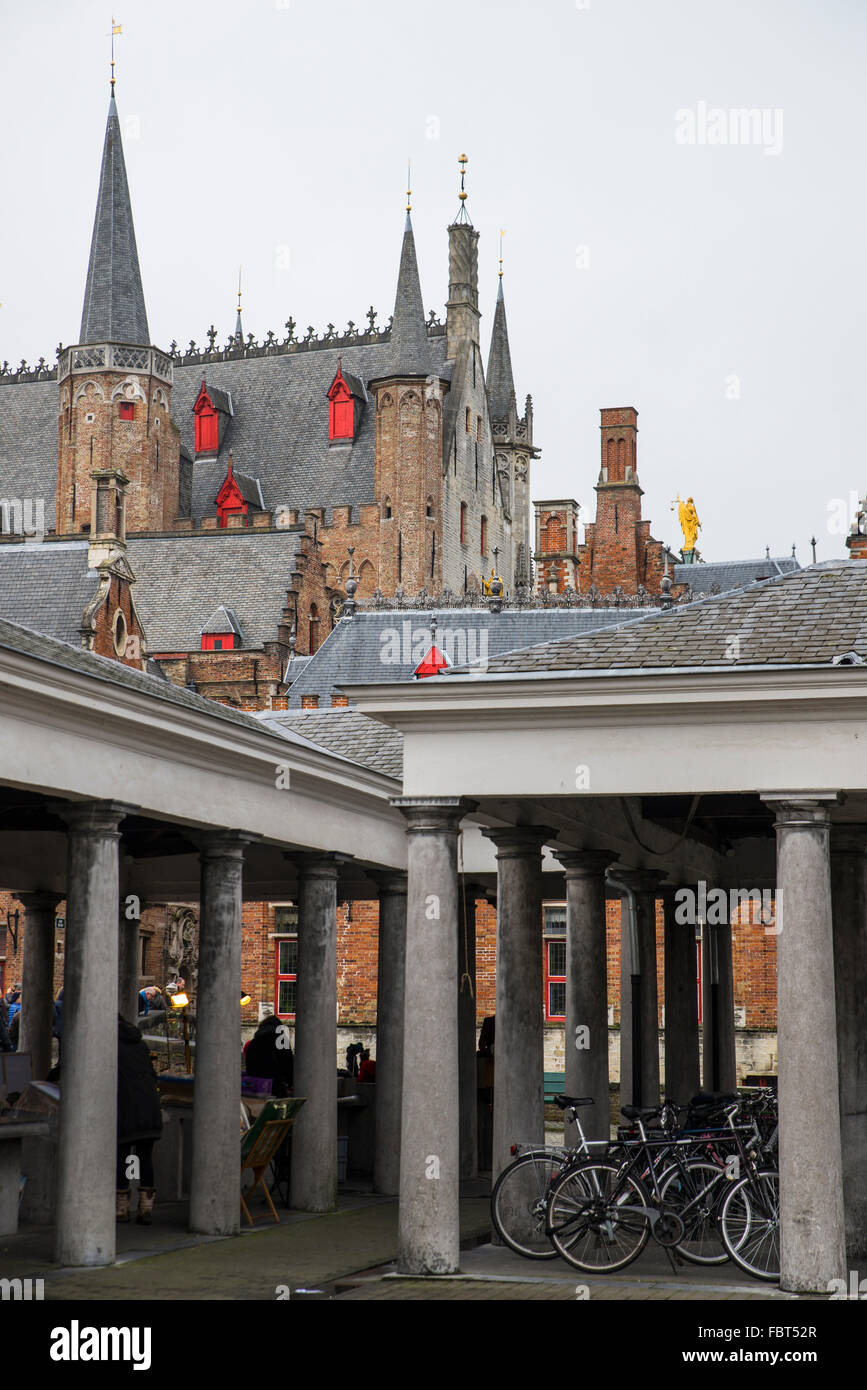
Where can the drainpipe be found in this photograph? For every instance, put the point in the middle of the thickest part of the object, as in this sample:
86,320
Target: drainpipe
632,934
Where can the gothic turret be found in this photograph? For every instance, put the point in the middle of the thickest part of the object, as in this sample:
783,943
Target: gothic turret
409,344
115,386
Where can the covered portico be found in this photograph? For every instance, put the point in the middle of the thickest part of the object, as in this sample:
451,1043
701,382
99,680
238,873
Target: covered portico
116,788
653,769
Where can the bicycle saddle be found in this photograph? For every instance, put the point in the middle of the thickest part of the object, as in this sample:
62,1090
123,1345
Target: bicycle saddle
565,1101
640,1112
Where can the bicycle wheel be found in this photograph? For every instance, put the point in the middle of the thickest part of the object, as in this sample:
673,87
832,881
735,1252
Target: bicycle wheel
696,1193
592,1219
750,1224
519,1203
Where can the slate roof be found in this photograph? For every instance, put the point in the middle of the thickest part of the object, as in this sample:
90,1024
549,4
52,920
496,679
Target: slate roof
182,579
47,587
222,620
250,489
807,617
499,379
114,306
409,340
351,735
362,650
28,442
732,574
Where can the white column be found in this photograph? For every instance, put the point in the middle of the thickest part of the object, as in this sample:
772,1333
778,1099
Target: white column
390,1000
87,1148
849,892
37,979
811,1182
215,1191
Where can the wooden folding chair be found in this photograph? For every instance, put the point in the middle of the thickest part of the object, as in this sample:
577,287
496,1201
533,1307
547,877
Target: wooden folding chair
259,1145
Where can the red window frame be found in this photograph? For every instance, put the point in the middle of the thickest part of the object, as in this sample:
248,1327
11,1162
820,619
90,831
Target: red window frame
554,977
218,641
287,940
463,523
126,410
207,430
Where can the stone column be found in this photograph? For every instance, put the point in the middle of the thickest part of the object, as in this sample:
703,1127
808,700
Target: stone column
519,1077
314,1135
390,994
645,885
37,979
469,1122
128,963
586,988
87,1148
811,1183
849,894
681,1000
215,1188
719,1068
429,1237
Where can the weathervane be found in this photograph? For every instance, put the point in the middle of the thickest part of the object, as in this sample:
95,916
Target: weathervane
502,234
115,29
462,211
409,185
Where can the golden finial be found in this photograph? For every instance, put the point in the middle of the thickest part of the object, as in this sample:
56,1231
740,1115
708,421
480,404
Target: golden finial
409,185
239,288
502,234
463,161
115,29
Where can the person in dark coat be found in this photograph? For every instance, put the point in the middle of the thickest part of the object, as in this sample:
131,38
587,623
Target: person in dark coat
269,1055
139,1119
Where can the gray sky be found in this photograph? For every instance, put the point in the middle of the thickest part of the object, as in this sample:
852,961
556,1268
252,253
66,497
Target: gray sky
718,288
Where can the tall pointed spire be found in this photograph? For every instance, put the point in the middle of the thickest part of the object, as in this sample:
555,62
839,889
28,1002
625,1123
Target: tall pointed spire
239,327
114,307
499,379
409,344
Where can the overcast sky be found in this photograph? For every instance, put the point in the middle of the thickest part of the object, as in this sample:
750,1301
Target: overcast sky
718,288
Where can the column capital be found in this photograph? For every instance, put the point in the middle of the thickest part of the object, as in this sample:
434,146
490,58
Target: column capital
433,815
584,863
801,810
92,817
390,881
312,865
224,844
519,841
640,880
38,901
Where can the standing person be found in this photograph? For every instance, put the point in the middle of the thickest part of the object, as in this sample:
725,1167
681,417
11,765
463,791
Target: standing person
269,1055
5,1041
139,1119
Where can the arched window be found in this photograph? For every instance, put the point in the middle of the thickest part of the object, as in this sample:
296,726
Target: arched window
313,631
484,536
463,523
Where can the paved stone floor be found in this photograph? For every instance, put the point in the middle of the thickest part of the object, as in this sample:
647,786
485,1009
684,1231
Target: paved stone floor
348,1255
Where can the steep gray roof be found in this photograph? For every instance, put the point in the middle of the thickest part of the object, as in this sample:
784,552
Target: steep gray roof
806,617
353,736
222,620
181,580
47,587
499,379
114,306
250,489
409,341
387,646
732,574
28,442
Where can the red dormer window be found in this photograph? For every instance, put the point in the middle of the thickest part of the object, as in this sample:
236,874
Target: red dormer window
230,501
207,424
341,408
218,641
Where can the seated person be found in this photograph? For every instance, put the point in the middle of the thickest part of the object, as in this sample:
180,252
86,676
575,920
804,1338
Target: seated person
269,1055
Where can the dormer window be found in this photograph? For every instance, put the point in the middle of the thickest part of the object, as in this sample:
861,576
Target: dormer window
222,632
238,495
346,398
211,414
126,410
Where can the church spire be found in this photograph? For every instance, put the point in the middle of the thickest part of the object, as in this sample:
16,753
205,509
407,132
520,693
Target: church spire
114,307
409,344
239,327
500,382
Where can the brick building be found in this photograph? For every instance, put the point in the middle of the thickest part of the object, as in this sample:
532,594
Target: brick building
208,512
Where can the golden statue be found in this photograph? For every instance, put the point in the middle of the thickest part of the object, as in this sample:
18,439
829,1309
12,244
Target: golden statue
689,522
486,584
